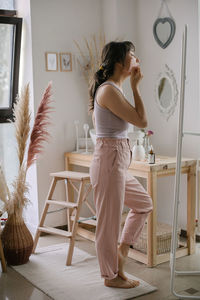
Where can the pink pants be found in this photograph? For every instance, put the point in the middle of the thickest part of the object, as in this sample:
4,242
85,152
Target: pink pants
113,187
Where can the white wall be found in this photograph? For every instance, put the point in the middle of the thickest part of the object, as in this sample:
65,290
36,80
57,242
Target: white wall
153,58
55,24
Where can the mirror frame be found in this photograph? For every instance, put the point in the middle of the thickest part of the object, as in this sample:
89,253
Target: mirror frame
6,114
172,32
167,112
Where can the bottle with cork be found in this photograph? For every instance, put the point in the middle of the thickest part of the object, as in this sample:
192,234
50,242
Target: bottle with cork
151,155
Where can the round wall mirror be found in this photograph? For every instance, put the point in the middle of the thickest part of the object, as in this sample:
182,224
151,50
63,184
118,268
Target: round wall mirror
166,92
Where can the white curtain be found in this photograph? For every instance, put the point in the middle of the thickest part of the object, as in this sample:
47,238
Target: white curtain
7,4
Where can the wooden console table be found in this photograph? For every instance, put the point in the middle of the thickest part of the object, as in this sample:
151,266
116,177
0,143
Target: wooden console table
164,166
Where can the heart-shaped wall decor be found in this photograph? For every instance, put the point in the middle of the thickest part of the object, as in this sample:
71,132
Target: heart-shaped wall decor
164,31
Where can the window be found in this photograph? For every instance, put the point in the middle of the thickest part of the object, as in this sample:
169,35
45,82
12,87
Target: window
10,43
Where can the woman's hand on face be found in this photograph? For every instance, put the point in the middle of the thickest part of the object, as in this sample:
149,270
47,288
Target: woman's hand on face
136,76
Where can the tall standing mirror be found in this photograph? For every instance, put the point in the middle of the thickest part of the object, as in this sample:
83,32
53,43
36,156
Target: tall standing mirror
10,42
166,92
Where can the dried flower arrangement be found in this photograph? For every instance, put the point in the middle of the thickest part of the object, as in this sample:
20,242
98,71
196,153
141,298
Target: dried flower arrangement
91,61
15,201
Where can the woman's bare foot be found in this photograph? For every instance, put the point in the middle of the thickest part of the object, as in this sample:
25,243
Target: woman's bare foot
134,283
122,255
119,282
121,262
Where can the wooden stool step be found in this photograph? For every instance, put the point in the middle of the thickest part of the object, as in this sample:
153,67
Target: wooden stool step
73,208
89,221
63,203
71,175
55,231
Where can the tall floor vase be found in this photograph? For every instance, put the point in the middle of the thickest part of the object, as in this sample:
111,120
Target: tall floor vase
17,240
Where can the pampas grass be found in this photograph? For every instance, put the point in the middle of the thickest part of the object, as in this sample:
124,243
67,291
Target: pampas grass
91,61
15,202
22,122
39,133
20,190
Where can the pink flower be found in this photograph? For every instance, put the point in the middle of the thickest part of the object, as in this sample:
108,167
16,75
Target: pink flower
149,132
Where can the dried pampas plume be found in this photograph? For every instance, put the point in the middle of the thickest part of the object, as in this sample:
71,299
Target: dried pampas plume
91,61
20,190
39,133
22,122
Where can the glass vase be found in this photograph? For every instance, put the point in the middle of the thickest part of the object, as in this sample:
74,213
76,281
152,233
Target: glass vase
146,145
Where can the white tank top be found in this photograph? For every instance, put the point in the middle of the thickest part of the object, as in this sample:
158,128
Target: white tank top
107,123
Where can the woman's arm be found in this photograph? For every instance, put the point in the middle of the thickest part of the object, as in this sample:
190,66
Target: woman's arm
139,106
135,78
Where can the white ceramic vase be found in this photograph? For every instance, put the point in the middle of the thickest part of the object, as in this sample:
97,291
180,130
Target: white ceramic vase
138,152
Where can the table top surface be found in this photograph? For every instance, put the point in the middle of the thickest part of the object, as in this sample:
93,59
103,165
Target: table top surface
82,158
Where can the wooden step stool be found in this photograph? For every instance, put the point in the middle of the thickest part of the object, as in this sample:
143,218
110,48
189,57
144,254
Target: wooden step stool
73,208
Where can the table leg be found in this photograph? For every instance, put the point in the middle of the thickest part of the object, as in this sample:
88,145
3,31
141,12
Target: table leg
68,167
191,202
152,221
69,193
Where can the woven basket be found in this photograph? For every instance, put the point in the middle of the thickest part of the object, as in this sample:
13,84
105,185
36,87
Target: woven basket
163,235
17,241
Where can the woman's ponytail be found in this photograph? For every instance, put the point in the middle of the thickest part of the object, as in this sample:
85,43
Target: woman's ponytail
99,78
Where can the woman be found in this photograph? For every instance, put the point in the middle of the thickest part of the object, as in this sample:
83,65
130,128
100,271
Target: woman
112,185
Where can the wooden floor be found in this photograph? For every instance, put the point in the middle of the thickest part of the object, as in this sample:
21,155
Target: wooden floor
14,287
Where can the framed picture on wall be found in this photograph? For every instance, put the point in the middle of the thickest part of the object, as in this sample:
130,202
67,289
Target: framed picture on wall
51,61
65,62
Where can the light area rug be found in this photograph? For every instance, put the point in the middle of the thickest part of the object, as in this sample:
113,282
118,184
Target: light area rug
47,271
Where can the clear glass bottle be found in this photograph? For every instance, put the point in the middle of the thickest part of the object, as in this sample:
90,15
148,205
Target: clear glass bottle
151,155
146,145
